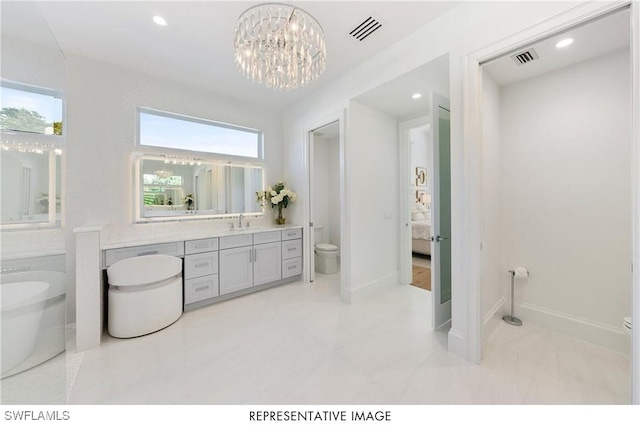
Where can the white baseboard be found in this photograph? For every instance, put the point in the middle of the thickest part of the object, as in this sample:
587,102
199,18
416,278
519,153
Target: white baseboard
457,343
492,318
372,288
591,331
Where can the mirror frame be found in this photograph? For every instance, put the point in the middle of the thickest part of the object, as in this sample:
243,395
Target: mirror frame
138,205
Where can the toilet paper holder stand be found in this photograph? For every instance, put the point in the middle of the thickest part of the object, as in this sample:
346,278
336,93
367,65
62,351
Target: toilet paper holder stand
511,319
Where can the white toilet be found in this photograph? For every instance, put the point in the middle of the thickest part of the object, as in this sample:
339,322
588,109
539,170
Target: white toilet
326,254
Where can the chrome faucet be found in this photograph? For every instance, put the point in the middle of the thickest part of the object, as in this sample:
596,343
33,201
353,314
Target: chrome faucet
240,221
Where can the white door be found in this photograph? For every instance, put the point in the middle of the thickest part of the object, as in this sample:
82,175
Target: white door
441,210
236,269
311,237
267,263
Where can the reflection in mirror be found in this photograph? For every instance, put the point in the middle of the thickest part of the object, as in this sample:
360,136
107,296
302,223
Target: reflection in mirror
26,195
211,189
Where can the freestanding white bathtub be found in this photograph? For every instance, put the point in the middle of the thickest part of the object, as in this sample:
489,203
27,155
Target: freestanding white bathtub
22,309
49,337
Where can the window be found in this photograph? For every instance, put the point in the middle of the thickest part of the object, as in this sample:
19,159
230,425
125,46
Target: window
30,109
166,130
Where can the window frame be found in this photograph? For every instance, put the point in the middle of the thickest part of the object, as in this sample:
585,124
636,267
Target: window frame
204,154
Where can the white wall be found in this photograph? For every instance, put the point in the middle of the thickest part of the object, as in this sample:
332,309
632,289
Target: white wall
333,146
421,155
373,140
566,145
326,191
101,116
321,191
494,276
461,31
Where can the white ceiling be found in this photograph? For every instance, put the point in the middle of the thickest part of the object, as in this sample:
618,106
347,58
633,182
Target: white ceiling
591,40
196,47
395,96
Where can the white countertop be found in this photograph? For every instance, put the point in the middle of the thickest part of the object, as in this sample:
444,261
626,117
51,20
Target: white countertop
182,236
34,253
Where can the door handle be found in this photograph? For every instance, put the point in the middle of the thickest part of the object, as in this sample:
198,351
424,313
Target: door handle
438,239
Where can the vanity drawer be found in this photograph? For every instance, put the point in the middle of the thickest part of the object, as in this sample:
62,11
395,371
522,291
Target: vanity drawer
266,237
114,255
200,264
292,249
200,289
291,267
198,246
294,233
228,242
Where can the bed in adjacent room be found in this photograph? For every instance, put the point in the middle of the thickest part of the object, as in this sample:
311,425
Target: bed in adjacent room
420,230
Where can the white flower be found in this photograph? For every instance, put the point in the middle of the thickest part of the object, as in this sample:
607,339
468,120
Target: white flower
294,197
273,193
269,189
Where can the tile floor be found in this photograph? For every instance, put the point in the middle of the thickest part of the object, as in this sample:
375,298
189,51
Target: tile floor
298,344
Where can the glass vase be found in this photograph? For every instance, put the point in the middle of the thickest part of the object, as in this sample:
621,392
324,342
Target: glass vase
280,220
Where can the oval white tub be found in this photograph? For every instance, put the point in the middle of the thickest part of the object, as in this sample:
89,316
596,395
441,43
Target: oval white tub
50,339
22,310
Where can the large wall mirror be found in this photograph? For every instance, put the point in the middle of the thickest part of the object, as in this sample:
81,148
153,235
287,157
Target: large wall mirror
31,185
183,189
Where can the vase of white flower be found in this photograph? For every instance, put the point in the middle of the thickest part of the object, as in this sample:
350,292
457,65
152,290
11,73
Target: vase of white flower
279,197
188,200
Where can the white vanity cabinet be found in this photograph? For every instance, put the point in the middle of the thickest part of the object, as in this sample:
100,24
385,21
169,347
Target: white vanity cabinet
291,253
256,262
229,265
200,270
267,257
236,269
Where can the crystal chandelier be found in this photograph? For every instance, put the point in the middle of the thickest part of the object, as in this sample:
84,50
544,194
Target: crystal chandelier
280,46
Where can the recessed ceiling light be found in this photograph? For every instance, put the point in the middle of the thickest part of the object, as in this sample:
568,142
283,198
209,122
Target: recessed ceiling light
564,43
416,95
160,20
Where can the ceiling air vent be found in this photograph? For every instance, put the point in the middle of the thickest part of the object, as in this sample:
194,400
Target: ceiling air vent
365,29
523,57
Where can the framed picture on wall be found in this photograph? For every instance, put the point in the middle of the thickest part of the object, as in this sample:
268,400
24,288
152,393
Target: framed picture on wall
421,177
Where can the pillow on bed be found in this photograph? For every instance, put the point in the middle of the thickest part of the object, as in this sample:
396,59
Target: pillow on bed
417,216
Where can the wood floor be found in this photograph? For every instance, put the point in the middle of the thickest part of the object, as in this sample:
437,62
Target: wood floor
421,277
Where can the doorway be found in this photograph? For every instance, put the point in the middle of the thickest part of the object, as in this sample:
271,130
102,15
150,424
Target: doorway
325,203
413,101
552,112
417,134
327,174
